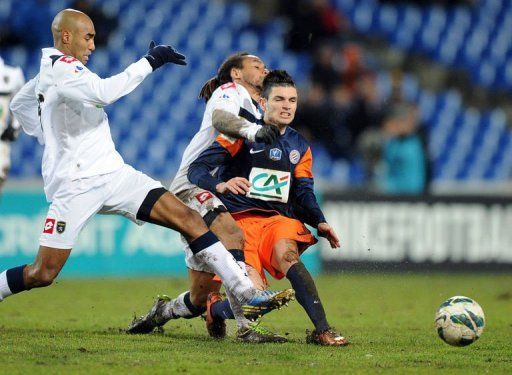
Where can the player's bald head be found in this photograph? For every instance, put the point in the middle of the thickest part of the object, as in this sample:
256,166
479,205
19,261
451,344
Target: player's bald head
68,20
73,34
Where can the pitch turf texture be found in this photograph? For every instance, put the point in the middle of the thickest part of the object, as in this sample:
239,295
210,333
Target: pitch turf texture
76,326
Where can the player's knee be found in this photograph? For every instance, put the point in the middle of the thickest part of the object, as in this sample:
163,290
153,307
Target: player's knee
286,255
290,256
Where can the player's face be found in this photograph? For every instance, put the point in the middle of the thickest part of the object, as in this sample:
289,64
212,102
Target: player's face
281,105
82,43
253,72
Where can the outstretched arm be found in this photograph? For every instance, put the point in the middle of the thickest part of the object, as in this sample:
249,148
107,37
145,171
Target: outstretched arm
237,127
76,82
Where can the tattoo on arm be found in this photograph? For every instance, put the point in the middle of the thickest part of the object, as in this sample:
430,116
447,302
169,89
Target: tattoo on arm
229,124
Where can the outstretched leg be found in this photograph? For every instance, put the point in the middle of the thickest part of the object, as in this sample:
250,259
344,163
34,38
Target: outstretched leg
47,265
286,259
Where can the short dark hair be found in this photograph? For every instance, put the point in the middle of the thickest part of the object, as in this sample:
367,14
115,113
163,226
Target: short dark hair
223,74
276,78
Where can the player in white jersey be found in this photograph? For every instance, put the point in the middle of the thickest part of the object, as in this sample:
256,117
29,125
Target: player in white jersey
11,80
232,109
84,174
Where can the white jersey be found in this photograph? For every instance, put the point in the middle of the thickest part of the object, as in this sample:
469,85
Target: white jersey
11,80
72,123
230,97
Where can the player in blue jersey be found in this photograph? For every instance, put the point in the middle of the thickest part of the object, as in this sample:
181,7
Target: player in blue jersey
268,189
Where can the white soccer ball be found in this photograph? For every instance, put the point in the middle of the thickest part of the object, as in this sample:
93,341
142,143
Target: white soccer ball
460,321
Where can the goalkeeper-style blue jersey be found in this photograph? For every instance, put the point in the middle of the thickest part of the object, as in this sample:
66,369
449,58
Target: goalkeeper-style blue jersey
280,175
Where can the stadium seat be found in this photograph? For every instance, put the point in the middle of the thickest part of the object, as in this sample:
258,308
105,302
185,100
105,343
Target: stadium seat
153,125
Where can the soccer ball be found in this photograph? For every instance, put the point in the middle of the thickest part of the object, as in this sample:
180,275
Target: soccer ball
460,321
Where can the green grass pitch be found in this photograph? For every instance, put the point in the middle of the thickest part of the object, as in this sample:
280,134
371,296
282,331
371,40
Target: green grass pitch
75,327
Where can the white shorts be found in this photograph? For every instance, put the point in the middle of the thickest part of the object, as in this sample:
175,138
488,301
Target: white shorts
5,159
202,201
76,202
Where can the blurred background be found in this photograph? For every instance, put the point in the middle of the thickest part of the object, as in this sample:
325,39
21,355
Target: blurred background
407,105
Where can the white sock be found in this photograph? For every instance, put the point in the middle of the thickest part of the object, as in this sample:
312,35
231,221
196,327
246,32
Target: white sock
224,264
177,308
236,307
4,286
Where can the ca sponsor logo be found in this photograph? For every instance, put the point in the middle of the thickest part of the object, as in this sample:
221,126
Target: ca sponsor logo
49,224
269,185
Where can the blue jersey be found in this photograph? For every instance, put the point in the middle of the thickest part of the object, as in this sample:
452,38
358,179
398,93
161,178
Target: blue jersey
280,175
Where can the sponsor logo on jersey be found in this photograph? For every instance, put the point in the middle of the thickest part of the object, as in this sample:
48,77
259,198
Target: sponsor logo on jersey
68,59
78,68
275,154
253,151
61,226
269,185
204,196
225,96
294,156
228,85
49,224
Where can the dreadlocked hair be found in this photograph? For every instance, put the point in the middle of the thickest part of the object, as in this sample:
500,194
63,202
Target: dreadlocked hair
276,78
223,75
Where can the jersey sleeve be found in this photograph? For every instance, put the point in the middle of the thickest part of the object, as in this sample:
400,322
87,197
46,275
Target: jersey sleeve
306,206
74,81
20,81
202,171
24,107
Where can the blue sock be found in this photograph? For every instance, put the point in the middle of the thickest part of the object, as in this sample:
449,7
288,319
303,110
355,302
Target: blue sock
15,279
222,310
195,310
203,241
11,282
307,295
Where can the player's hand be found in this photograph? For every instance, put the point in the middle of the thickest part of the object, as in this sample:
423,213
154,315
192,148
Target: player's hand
325,230
237,185
267,134
161,54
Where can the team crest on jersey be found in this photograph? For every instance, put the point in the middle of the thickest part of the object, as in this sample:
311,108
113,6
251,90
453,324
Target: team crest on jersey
49,224
275,154
294,156
204,196
61,226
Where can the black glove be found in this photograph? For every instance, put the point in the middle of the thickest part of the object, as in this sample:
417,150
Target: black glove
10,134
267,134
160,55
